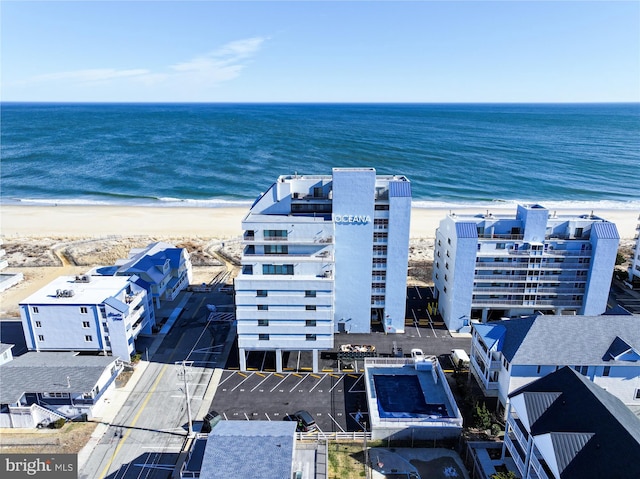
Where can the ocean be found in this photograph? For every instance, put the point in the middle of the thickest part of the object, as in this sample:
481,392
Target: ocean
212,155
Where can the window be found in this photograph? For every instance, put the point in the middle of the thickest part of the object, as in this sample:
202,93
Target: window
275,234
310,322
276,249
579,232
247,269
538,369
83,310
446,265
581,369
38,324
34,309
310,307
263,307
637,393
263,337
310,293
449,240
40,337
281,269
380,236
311,337
55,395
500,245
88,338
262,293
446,278
263,322
381,207
445,289
86,324
607,371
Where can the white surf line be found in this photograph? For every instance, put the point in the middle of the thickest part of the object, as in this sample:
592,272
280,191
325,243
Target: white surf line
258,385
299,382
276,386
316,384
240,383
336,423
337,382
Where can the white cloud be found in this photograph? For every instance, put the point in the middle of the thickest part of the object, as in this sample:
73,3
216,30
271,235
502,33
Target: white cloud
217,66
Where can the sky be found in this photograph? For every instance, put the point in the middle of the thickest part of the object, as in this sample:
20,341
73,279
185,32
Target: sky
320,51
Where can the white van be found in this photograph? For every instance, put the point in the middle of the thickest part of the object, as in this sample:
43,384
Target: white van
460,359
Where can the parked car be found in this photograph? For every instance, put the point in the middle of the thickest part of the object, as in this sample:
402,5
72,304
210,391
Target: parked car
305,421
417,355
210,420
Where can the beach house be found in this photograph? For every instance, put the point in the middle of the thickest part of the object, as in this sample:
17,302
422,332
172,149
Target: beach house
100,314
161,268
41,387
634,267
509,354
323,254
563,426
490,267
7,279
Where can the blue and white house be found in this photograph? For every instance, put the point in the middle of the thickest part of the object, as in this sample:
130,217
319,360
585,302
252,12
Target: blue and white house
489,267
161,268
102,314
509,354
323,254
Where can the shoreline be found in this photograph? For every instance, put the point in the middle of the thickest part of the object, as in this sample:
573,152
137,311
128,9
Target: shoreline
90,221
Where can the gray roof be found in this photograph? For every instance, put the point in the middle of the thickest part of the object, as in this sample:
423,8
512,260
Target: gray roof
261,449
37,372
5,347
542,340
593,433
538,402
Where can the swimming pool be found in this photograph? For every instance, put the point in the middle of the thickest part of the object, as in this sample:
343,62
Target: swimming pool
402,396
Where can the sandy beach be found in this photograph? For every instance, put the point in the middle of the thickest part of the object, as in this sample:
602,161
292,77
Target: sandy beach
44,242
91,221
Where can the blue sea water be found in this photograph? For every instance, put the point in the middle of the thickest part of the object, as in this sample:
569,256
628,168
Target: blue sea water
227,154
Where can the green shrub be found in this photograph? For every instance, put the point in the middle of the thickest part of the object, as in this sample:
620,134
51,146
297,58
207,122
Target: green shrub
482,416
58,423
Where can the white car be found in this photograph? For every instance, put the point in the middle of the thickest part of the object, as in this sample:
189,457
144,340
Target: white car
417,355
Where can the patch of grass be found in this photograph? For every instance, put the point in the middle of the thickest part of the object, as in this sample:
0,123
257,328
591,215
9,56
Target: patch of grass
345,460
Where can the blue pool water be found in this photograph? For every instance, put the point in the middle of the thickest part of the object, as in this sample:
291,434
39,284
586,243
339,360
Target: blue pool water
401,396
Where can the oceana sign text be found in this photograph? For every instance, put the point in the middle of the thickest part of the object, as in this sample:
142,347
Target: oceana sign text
362,219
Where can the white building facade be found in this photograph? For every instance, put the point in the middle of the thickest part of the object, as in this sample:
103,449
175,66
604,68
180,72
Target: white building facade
103,314
323,254
634,268
510,354
489,267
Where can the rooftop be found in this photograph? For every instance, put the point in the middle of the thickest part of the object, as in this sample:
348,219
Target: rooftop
261,449
51,372
95,291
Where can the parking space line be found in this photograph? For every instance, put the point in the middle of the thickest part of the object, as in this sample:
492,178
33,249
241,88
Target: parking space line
226,379
268,418
260,374
296,375
245,415
315,376
299,382
336,423
316,384
337,382
278,375
238,385
276,386
260,383
242,374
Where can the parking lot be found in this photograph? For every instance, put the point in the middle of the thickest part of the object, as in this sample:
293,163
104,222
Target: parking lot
332,399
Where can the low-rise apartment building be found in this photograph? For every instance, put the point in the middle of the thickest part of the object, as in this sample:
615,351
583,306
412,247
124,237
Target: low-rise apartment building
101,314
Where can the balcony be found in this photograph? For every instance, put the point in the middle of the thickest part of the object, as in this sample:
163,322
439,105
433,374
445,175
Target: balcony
500,236
528,303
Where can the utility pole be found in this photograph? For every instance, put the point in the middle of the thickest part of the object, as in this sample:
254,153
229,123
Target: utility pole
188,399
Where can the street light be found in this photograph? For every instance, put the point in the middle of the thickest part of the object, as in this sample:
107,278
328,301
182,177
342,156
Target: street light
186,393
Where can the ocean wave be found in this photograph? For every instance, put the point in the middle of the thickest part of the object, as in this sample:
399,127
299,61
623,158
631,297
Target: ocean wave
131,201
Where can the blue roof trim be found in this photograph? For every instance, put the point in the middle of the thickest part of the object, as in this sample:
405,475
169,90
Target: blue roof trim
400,189
605,230
491,334
466,230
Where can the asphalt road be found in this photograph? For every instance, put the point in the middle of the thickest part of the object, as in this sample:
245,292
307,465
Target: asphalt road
148,433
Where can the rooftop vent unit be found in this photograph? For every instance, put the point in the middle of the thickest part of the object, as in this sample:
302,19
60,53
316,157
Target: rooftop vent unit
84,278
64,293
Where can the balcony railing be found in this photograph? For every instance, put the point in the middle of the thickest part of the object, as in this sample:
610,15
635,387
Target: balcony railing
501,236
528,303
